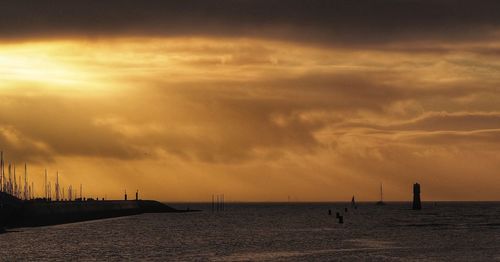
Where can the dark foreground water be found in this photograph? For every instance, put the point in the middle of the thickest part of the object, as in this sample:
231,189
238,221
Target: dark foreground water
273,232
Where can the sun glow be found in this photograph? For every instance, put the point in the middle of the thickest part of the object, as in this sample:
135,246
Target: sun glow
102,65
193,106
35,63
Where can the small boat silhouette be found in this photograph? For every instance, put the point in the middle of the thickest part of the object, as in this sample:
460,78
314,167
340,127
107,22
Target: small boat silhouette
381,202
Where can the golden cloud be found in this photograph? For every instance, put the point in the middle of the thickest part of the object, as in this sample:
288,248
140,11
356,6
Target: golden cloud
257,119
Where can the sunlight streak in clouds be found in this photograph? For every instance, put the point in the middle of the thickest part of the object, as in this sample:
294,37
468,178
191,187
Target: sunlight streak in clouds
254,113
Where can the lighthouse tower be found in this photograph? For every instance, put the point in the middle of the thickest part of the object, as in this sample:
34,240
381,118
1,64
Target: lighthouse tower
417,205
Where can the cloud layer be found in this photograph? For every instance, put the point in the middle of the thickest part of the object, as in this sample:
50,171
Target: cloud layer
360,23
318,100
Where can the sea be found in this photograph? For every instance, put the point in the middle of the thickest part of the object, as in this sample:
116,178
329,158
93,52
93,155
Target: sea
441,231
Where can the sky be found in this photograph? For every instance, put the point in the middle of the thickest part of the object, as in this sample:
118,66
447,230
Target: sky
257,100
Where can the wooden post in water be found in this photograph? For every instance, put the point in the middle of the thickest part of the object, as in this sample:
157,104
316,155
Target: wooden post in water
213,203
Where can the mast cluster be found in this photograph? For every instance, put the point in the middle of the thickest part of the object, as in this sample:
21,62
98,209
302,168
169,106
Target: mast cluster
13,184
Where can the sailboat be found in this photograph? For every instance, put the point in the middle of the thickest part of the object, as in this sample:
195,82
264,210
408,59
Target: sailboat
381,202
353,203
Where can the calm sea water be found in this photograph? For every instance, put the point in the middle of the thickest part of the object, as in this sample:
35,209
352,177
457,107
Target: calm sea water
273,232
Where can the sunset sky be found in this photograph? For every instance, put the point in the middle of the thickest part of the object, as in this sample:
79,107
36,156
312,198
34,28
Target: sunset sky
256,99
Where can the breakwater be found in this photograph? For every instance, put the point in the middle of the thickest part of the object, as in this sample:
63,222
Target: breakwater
28,213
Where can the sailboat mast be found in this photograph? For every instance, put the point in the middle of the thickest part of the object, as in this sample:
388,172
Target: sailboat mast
1,171
57,186
15,182
26,187
9,188
381,194
45,185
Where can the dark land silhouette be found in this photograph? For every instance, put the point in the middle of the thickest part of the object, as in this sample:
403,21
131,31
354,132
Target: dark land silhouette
15,212
19,207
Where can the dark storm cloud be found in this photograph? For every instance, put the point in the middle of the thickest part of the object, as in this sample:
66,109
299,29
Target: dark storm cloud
327,22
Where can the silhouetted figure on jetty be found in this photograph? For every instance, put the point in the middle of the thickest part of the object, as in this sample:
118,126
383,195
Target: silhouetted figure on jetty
417,205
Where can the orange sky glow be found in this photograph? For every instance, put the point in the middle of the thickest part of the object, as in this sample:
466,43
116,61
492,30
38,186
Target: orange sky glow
255,118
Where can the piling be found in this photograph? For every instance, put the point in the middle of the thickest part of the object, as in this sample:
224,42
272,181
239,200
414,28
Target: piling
213,203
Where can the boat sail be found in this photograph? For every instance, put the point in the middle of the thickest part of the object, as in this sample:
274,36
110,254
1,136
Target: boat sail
381,202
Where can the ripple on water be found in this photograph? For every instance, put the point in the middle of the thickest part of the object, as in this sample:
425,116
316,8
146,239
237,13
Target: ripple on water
271,232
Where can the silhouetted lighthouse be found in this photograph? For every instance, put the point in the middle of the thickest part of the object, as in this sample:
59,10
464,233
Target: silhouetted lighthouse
416,197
